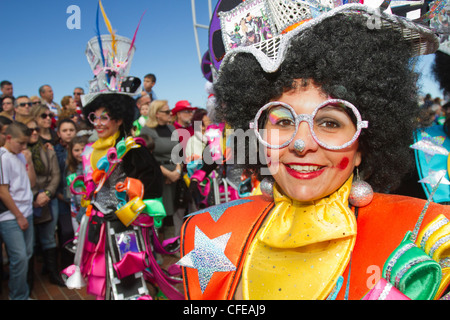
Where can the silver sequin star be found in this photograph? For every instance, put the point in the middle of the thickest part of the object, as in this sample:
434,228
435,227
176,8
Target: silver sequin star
208,257
430,145
434,177
217,211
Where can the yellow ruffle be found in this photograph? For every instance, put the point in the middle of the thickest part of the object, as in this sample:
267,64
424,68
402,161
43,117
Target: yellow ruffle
302,249
101,147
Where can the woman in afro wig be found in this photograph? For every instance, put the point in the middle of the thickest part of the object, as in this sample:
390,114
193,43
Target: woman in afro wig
370,68
315,230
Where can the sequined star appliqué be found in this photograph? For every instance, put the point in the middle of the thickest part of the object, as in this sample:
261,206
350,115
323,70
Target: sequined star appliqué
208,257
217,211
435,177
430,145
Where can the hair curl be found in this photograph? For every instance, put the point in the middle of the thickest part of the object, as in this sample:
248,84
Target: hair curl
370,68
119,107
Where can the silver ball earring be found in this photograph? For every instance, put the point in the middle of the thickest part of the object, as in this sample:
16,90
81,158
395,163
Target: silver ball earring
266,186
299,145
361,193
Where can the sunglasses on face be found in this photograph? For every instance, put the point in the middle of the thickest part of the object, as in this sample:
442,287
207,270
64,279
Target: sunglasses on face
46,115
37,129
25,104
166,111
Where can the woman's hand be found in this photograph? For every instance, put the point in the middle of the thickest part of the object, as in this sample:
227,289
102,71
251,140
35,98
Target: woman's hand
49,146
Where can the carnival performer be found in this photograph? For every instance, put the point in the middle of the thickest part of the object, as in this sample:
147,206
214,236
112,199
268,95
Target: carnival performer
121,187
331,100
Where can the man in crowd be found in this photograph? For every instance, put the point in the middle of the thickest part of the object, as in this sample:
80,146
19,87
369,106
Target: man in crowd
46,93
22,107
77,93
183,113
6,88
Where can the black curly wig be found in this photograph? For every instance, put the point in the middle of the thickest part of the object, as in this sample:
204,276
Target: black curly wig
370,68
119,107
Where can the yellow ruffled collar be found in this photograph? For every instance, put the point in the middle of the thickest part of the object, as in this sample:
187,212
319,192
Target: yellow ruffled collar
295,224
101,147
302,248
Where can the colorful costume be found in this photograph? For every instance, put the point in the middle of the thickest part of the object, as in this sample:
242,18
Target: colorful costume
206,166
115,264
218,253
121,188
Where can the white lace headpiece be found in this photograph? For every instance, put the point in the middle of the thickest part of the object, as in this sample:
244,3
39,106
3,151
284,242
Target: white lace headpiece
265,28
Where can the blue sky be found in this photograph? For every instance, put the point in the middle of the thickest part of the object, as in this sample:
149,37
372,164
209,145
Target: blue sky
37,47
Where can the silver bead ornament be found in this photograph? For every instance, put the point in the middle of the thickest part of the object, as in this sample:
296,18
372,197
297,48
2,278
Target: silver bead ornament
361,194
266,186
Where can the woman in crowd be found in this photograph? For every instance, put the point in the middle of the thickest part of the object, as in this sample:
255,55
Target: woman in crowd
159,129
337,104
35,101
43,117
8,107
45,203
66,131
69,109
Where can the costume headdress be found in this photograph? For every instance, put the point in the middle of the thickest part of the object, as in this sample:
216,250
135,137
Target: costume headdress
110,57
264,28
441,23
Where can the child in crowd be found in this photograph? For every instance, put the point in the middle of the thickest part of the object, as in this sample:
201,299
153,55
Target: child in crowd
66,130
74,165
17,176
140,122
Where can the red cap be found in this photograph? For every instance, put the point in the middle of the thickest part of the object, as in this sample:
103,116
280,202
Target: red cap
182,105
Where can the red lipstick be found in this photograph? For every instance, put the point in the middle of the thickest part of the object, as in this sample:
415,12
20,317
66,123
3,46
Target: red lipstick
304,175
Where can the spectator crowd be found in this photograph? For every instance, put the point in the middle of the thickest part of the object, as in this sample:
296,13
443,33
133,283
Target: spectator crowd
42,142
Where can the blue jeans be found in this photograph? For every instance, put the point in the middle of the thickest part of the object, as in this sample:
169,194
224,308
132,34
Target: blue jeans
19,245
45,232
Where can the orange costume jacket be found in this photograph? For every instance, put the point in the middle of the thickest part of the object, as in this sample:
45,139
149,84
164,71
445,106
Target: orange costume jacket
215,242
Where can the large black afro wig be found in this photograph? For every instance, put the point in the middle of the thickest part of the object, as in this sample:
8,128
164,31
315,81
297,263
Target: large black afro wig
119,107
370,68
